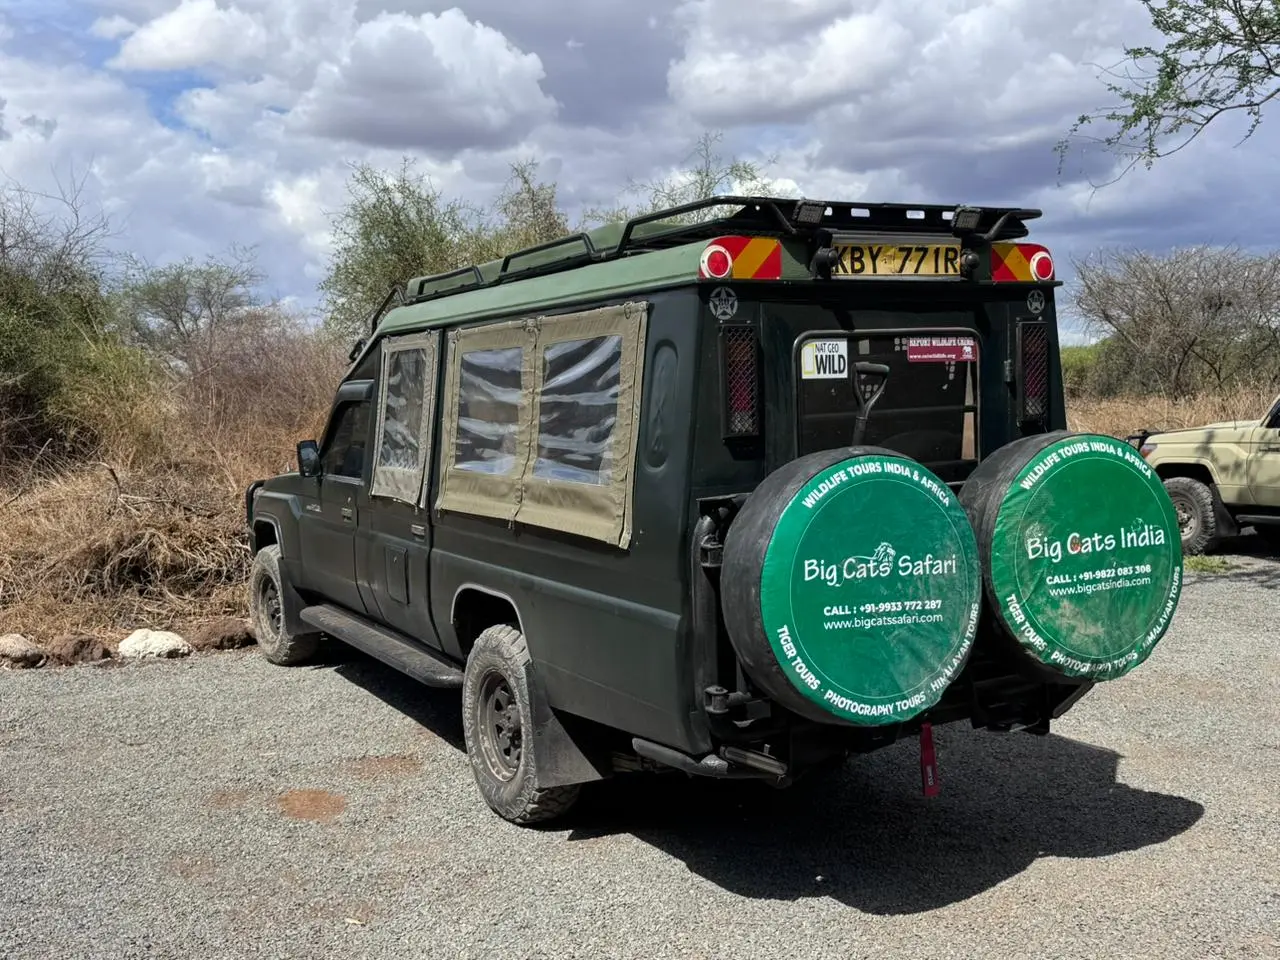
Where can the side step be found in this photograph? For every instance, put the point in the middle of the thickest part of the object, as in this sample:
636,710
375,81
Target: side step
1245,520
382,643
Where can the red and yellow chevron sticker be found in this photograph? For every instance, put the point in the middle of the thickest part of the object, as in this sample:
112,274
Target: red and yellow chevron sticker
1020,263
741,258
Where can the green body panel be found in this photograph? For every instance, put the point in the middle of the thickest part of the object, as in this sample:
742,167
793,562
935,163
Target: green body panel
659,269
598,281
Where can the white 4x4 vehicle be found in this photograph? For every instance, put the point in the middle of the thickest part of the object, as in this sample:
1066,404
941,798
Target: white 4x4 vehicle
1222,477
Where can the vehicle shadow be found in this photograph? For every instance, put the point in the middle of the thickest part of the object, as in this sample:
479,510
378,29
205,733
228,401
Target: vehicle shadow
865,836
861,834
440,711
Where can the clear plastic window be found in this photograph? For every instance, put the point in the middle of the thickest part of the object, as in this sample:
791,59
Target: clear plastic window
344,456
489,410
578,410
402,418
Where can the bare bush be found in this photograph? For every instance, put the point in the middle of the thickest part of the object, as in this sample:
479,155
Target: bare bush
1199,319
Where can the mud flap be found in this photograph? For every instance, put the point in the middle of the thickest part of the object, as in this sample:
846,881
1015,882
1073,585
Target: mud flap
563,752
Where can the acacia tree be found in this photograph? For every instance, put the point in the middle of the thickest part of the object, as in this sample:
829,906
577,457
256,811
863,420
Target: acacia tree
1218,57
1197,319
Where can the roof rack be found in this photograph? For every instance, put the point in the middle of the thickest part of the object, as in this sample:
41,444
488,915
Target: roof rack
756,216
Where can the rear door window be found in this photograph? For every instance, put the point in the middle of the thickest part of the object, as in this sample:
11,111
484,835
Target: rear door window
929,407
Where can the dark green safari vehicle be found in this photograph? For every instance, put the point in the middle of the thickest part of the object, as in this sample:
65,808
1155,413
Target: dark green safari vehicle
738,490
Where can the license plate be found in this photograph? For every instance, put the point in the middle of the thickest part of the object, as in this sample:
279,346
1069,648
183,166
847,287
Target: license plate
897,260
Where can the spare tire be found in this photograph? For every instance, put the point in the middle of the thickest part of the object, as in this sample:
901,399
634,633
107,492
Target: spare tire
851,587
1081,554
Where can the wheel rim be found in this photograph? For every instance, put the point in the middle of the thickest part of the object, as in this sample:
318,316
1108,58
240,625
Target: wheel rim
269,603
498,724
1186,517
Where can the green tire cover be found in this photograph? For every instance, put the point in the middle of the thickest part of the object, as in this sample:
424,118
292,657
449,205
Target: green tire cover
1081,553
851,586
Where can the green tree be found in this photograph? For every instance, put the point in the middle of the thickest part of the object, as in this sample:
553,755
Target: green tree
1218,57
61,358
395,225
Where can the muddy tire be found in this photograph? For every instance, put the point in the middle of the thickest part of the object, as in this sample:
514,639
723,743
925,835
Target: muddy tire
266,612
497,724
851,588
1197,518
1080,552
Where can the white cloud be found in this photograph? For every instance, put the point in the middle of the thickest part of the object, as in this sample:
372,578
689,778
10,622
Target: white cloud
957,100
434,82
198,33
112,28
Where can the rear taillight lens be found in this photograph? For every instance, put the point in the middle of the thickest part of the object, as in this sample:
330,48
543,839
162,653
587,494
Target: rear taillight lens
1033,371
740,374
1021,263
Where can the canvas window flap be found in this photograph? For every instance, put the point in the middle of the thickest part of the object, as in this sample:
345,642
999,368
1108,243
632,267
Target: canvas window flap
406,414
589,369
489,397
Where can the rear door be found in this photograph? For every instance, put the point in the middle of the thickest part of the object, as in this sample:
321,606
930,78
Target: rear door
330,513
929,407
1264,462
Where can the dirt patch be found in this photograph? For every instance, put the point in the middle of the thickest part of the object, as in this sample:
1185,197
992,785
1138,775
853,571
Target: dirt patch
77,648
228,633
319,806
375,768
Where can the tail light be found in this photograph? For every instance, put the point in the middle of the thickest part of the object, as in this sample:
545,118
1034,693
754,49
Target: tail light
741,258
1033,371
1021,263
740,375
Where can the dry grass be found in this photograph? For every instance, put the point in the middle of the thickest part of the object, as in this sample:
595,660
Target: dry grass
1124,416
152,534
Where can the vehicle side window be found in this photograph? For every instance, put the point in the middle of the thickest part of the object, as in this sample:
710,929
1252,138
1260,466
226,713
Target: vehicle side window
343,455
541,420
1274,422
405,429
578,410
489,391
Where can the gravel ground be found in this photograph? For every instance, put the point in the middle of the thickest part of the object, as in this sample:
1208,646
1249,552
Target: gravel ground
222,807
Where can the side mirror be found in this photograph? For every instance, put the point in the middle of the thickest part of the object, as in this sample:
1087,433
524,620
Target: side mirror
309,458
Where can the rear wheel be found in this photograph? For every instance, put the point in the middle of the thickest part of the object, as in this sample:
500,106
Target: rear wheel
1197,521
497,723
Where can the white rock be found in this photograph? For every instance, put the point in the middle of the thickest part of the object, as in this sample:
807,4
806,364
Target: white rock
17,651
153,644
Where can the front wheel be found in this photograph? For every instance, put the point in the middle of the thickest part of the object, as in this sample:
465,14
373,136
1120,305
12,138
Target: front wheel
1197,519
266,612
497,723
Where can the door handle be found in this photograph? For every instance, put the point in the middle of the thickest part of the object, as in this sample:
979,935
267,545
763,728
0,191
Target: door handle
418,530
346,513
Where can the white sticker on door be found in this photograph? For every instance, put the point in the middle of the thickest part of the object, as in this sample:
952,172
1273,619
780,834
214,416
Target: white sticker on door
824,360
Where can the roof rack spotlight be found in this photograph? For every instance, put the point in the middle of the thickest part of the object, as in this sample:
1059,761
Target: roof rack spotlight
809,212
965,220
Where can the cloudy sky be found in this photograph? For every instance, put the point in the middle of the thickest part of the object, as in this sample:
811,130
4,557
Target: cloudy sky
198,123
